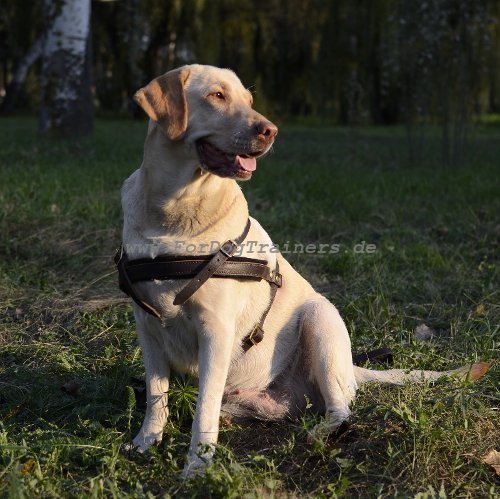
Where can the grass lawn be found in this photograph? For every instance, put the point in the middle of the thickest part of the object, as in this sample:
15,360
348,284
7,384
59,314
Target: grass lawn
435,231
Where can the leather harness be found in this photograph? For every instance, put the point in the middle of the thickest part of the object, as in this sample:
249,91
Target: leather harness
201,268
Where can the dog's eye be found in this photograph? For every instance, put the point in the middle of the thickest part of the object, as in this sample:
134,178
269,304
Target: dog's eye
219,95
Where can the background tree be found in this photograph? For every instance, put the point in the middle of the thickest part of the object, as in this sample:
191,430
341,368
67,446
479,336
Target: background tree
345,62
66,100
21,38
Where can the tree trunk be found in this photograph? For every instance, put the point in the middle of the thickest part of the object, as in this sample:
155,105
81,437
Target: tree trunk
17,82
66,99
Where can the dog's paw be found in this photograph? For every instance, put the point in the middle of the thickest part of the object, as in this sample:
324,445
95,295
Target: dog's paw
320,432
142,442
332,426
195,467
128,448
197,463
326,431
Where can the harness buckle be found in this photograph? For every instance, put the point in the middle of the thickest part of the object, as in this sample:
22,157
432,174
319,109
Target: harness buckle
229,248
256,335
276,278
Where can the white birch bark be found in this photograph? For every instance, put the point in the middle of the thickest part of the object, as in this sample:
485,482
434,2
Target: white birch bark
31,56
66,104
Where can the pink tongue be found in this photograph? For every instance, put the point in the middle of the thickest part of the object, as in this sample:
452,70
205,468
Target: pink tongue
248,164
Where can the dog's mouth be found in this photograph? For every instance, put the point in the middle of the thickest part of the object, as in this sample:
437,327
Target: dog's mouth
213,159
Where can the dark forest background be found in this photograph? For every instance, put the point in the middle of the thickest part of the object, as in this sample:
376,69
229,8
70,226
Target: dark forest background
335,62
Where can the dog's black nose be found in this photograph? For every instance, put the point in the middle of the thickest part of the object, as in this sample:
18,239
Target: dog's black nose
267,130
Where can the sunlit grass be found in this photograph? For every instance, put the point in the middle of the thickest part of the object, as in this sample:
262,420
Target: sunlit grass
435,232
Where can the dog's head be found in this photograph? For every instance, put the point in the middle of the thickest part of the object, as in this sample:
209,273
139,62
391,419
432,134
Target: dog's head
210,109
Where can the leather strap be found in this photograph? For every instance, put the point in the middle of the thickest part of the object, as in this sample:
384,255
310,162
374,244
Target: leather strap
199,269
379,355
126,285
184,268
163,267
225,252
257,333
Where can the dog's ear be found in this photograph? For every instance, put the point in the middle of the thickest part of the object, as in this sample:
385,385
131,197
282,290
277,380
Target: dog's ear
164,101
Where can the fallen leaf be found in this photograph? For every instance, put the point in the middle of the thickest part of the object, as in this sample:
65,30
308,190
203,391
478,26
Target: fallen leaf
480,310
493,459
477,370
424,332
28,466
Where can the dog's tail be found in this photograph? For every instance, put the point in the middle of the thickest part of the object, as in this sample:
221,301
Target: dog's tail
400,376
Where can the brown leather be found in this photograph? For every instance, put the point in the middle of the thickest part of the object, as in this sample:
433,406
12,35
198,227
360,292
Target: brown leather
234,267
226,251
167,267
257,334
381,355
199,269
126,285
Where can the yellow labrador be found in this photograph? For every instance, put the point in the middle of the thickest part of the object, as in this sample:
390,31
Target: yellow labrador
203,136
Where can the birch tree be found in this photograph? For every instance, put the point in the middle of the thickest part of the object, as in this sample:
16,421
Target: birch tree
66,100
19,77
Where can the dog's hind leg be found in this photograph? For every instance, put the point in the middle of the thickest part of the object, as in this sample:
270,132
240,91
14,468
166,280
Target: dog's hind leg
328,353
157,383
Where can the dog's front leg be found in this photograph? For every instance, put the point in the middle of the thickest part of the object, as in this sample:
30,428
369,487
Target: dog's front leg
215,347
157,384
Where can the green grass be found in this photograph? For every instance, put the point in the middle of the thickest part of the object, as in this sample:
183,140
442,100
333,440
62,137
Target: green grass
436,234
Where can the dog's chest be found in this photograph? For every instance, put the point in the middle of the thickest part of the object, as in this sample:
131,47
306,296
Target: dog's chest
176,331
180,344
